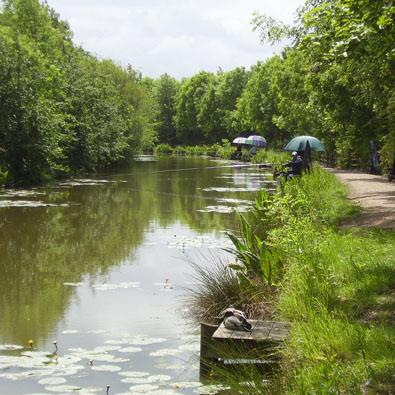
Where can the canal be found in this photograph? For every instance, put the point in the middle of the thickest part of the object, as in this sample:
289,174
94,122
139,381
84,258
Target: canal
93,274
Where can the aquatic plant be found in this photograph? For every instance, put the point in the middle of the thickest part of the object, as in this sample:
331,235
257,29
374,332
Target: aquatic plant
257,258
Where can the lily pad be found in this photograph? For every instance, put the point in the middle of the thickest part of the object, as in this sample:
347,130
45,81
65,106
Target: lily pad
9,347
106,368
210,389
187,384
130,349
133,374
28,203
52,380
63,388
165,352
191,347
146,340
160,378
143,389
166,366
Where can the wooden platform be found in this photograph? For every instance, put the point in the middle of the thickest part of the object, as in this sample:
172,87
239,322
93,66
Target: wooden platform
258,347
262,331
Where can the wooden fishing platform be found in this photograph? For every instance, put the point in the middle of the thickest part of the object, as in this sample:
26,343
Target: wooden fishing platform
261,331
259,346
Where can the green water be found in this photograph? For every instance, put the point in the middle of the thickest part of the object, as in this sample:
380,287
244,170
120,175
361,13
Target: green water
99,266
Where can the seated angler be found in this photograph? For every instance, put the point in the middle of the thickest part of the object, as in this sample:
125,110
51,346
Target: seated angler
295,164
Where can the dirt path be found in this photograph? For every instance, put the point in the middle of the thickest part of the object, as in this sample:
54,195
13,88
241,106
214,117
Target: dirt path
375,194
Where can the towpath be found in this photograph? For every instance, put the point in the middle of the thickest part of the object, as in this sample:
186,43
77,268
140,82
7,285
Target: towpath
375,194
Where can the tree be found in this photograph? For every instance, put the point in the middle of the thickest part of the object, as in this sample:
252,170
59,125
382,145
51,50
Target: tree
166,92
188,106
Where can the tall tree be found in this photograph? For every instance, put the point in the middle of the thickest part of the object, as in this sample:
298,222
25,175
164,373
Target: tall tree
188,106
166,93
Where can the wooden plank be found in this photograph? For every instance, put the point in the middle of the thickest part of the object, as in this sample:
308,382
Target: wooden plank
261,331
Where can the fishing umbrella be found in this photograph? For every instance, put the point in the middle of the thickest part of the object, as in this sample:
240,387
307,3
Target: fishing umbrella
240,140
299,144
257,141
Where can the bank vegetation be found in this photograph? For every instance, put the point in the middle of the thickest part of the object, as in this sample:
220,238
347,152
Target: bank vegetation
294,263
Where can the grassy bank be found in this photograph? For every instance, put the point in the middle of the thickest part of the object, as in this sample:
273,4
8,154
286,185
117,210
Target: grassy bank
335,286
338,293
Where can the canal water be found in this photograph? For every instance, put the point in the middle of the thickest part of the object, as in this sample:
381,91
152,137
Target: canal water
93,275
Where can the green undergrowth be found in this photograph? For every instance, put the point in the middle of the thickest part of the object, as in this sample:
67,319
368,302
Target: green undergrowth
335,287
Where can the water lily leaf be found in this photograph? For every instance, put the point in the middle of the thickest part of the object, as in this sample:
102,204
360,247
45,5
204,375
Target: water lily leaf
62,388
10,347
106,368
166,366
160,378
145,340
136,380
164,352
52,380
133,374
188,384
143,388
191,347
130,349
210,389
28,203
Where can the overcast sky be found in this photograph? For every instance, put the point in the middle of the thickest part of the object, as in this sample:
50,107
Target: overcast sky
177,37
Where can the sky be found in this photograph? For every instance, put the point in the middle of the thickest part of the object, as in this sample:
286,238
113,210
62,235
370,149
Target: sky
177,37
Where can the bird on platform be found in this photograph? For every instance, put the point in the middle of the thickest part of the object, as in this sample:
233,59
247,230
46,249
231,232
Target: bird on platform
238,313
236,321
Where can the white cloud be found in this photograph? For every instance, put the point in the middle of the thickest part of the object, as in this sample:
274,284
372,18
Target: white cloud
178,37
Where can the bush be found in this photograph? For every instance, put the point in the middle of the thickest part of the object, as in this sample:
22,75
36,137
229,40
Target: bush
163,149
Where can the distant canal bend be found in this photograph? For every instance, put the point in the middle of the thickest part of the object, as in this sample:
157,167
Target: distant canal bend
91,272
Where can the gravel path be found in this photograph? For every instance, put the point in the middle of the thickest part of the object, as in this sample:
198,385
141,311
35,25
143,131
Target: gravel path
375,194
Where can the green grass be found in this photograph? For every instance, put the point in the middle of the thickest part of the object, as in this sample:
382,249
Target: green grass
337,291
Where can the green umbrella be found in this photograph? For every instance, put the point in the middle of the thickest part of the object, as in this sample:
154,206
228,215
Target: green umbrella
299,144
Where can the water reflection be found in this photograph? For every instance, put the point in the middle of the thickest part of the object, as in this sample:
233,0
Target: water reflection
104,260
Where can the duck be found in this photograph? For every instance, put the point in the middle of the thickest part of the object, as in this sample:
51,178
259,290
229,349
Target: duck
235,321
235,312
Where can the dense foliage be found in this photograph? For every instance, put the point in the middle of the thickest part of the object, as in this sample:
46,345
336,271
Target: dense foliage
64,111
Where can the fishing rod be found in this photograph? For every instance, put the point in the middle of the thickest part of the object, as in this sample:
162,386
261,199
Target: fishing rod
192,168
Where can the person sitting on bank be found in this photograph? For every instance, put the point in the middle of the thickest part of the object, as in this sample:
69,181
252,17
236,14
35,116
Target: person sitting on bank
236,155
295,164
